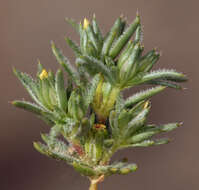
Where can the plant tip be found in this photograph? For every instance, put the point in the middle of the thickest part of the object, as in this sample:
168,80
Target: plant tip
137,13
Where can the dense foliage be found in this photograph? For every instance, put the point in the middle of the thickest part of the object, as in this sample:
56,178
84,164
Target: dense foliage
89,112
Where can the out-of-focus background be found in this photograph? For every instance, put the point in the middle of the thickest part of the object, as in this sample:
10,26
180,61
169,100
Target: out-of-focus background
27,27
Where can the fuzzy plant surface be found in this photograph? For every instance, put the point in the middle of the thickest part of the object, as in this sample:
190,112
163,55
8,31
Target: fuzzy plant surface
88,117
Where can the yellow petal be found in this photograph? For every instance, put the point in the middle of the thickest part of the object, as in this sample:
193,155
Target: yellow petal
86,23
146,104
44,74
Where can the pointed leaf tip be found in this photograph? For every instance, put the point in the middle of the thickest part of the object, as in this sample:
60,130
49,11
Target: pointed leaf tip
162,141
39,147
14,70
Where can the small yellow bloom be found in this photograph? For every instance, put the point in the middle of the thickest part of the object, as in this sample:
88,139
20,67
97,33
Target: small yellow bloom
86,23
44,74
146,104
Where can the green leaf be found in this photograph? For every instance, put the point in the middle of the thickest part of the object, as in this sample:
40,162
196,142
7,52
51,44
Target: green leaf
147,61
169,127
129,68
96,30
55,153
125,53
165,83
92,37
41,148
138,34
128,168
122,27
113,121
137,108
45,93
76,106
117,168
95,66
62,60
161,141
145,143
60,90
28,106
120,103
29,84
123,120
40,67
69,88
68,126
120,43
84,169
164,75
111,36
74,46
109,143
83,41
45,138
142,136
109,61
90,91
55,131
143,95
159,129
137,122
51,79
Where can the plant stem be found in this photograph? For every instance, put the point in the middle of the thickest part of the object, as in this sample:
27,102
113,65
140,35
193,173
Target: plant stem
95,181
93,186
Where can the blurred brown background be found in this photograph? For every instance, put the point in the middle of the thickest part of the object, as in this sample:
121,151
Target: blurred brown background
26,30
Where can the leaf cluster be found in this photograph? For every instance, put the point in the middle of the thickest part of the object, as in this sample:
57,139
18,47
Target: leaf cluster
88,117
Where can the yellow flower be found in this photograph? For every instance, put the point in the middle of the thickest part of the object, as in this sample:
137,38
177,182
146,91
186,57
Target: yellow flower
86,23
146,104
44,74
